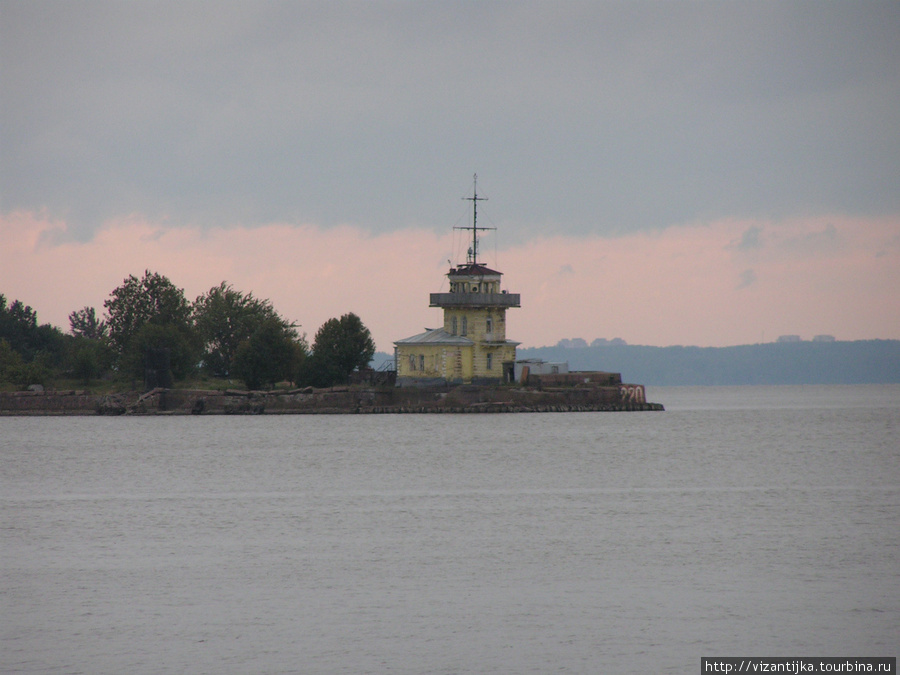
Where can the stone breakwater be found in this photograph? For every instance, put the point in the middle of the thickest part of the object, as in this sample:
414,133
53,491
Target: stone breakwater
336,400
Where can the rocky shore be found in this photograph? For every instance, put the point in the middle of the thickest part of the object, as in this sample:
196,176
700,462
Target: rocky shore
336,400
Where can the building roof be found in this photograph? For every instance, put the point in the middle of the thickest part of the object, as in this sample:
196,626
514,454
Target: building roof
473,269
435,336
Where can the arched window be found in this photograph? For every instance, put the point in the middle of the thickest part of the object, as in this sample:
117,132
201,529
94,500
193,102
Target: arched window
453,326
465,326
489,325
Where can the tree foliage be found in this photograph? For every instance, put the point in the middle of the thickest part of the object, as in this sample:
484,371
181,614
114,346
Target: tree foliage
178,345
271,354
11,363
18,325
224,318
150,301
340,347
43,345
88,358
84,323
150,331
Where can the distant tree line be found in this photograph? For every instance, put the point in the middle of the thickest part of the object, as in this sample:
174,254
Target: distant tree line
808,362
151,333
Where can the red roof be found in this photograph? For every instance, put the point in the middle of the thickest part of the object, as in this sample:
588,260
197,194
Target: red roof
474,269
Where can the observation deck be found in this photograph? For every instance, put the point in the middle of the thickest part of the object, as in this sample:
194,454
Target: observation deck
474,300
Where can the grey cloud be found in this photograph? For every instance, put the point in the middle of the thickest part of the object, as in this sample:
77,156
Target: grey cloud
746,279
580,118
750,240
814,242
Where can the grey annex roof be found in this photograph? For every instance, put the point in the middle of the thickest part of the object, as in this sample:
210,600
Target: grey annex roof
435,336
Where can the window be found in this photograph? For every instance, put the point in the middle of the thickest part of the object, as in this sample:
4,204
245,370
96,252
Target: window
490,361
421,362
412,361
453,326
489,325
465,326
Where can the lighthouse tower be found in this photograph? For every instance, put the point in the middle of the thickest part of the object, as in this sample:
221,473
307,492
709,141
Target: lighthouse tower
471,346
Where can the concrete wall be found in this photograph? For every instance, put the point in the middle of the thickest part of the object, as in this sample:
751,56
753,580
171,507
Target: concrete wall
577,378
459,399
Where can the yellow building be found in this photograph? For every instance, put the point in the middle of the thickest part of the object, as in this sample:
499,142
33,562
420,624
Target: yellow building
471,346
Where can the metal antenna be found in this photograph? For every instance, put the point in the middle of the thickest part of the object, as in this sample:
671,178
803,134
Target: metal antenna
472,257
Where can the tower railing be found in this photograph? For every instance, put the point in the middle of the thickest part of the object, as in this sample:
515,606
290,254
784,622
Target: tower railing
475,300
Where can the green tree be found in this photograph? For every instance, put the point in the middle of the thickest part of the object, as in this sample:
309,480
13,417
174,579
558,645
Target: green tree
271,354
88,359
150,301
88,355
18,326
340,347
84,323
45,343
224,318
10,362
175,346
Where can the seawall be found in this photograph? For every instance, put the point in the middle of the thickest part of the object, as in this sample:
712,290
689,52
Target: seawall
336,400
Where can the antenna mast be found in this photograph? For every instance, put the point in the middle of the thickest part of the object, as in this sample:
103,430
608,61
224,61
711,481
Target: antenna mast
472,257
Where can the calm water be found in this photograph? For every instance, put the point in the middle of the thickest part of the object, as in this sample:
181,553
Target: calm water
742,521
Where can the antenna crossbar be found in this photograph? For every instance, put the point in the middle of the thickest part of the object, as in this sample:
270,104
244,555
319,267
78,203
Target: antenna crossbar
472,256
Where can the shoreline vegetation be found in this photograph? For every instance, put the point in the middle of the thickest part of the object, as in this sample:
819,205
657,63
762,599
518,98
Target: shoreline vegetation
151,332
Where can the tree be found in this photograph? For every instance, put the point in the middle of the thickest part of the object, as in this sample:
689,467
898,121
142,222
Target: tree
270,355
340,347
88,353
20,329
87,359
224,318
10,362
18,326
151,301
84,323
161,354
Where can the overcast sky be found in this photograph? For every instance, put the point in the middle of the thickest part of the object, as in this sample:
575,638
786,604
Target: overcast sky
678,172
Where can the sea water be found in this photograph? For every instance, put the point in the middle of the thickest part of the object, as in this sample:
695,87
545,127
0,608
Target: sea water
742,521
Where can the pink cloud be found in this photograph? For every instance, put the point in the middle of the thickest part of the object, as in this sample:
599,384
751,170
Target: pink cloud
706,284
693,285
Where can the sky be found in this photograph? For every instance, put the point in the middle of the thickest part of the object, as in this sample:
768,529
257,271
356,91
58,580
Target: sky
694,173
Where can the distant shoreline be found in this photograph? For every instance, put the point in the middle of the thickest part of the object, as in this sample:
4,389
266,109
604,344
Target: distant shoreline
856,362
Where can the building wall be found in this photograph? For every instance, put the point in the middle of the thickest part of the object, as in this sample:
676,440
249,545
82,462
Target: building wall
539,367
423,361
499,354
476,320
